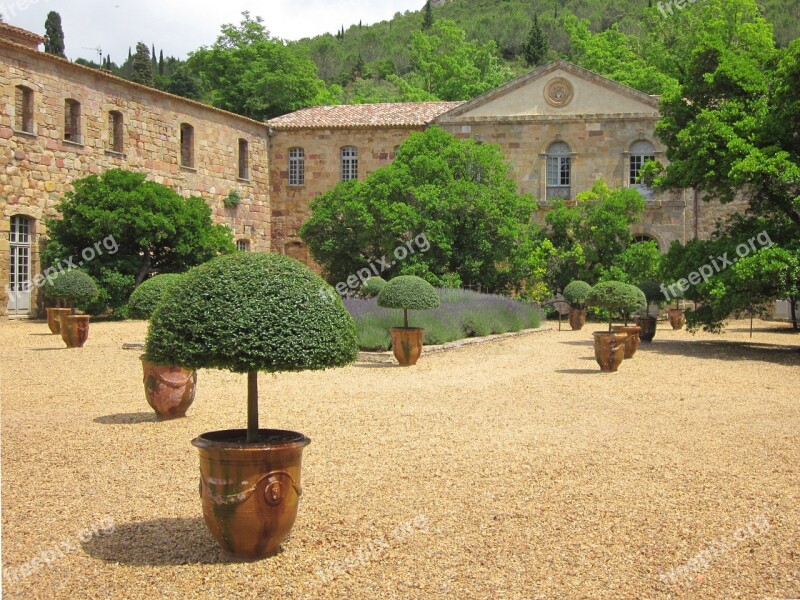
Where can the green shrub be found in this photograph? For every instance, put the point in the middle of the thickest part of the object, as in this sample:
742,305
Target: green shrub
146,297
575,294
618,298
72,287
408,292
252,312
372,287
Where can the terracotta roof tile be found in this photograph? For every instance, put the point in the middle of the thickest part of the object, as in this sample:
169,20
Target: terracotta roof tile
10,31
401,114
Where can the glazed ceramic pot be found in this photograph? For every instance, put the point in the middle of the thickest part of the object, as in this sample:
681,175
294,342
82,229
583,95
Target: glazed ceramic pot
649,326
250,492
632,341
609,350
54,319
169,389
74,330
407,345
577,318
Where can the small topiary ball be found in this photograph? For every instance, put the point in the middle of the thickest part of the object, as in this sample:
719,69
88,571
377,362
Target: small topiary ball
146,297
250,312
575,294
373,286
74,286
409,293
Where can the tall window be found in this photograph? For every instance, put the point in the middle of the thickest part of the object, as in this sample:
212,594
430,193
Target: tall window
72,121
244,159
116,133
349,163
187,145
297,166
23,100
559,172
641,152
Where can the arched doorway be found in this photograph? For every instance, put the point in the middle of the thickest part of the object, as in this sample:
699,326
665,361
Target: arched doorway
19,289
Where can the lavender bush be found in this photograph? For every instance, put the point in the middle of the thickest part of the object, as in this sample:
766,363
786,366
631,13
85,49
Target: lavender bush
462,314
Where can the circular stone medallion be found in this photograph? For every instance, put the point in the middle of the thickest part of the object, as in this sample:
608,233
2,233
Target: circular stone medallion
558,92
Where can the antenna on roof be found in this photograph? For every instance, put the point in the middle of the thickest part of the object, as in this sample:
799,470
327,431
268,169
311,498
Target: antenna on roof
97,49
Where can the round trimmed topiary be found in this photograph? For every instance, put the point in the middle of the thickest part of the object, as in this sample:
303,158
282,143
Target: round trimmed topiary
408,292
373,286
73,287
251,312
146,297
575,294
652,292
618,298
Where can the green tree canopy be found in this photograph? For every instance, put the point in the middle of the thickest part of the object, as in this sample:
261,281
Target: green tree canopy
458,193
536,46
123,228
54,34
251,73
142,65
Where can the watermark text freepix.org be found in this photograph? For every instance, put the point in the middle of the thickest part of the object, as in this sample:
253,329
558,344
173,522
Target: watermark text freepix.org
717,265
418,244
109,245
103,527
12,9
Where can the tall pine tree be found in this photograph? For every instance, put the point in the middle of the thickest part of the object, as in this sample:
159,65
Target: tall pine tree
161,63
54,42
142,65
536,47
427,16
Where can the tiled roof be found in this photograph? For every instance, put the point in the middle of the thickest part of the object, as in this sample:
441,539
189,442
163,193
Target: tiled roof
7,30
401,114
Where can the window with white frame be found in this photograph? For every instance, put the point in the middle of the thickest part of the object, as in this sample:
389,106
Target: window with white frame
559,172
349,163
297,166
243,245
641,152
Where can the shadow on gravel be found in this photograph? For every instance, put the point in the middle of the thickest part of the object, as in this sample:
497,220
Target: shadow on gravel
176,541
376,365
723,350
580,371
127,419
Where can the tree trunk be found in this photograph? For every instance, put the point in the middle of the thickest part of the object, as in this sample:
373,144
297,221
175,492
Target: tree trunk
793,308
405,318
252,407
144,271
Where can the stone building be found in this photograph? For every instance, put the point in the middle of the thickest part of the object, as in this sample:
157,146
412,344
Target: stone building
561,128
60,121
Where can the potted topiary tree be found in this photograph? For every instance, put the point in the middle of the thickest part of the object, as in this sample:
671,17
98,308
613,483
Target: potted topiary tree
575,295
169,389
71,288
635,301
408,292
248,313
648,323
609,346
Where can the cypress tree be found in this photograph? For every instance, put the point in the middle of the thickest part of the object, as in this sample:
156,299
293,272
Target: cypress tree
54,44
427,16
153,57
161,63
142,65
536,47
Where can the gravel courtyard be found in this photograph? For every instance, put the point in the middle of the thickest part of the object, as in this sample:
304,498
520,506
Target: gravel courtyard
508,470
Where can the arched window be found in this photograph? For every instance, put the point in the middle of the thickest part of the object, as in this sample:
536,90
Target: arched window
72,121
19,237
559,172
641,152
23,100
349,163
297,166
116,132
187,145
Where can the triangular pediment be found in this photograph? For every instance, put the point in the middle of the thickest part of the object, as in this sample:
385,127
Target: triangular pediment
559,89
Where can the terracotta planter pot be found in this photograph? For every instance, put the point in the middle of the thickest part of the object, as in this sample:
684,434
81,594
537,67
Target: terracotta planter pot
577,318
169,389
609,350
54,319
677,318
74,330
250,492
632,341
407,345
649,325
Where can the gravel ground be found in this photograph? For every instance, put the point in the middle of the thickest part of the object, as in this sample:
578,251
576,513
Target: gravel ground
509,470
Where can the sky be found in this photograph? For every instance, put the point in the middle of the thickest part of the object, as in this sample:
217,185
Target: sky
180,26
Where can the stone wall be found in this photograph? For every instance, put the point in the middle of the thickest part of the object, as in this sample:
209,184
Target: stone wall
290,204
39,167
